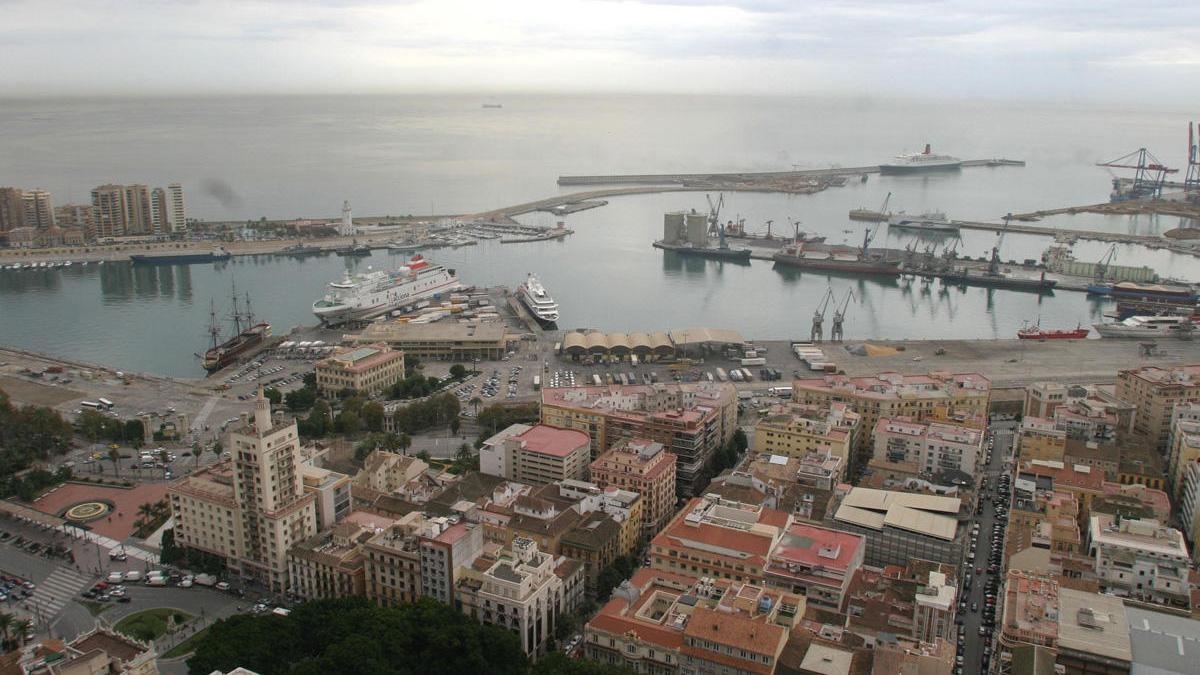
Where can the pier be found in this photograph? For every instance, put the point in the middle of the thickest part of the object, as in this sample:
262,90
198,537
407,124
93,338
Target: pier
685,178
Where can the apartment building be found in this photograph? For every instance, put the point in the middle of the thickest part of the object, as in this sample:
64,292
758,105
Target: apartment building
595,541
275,510
796,430
1040,439
1079,632
446,547
331,494
37,209
1183,446
366,369
389,472
12,208
110,217
1140,559
916,601
901,526
815,562
802,487
537,454
1084,412
392,565
330,564
1189,505
690,420
936,447
253,508
1156,392
661,622
1084,483
644,467
625,507
206,512
517,590
719,538
894,395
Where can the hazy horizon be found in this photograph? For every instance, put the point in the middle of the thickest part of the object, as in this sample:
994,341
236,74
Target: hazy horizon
1093,52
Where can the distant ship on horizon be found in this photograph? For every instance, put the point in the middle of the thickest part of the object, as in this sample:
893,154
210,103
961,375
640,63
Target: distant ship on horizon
918,162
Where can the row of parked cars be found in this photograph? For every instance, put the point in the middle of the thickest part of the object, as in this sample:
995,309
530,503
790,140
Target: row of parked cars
13,587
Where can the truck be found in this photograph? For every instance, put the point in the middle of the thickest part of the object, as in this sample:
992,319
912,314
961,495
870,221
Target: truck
206,580
745,395
156,581
756,361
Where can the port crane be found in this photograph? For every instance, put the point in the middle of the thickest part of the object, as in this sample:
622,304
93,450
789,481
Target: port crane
839,317
714,220
818,322
883,212
1148,178
994,262
1102,267
1191,180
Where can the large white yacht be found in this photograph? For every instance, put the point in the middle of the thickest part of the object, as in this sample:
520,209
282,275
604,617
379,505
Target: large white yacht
1148,326
538,300
367,295
921,161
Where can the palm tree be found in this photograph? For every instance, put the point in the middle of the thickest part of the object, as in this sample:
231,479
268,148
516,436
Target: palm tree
115,455
146,511
475,403
217,449
22,628
196,452
6,624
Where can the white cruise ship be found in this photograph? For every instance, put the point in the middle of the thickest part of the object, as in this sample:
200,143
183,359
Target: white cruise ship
1148,327
921,161
367,295
535,297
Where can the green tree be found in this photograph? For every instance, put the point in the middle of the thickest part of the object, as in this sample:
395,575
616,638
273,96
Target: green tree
455,425
300,399
134,433
115,455
347,422
458,371
405,442
273,395
91,424
372,416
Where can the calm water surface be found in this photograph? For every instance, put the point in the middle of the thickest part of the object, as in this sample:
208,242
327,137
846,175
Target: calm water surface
291,157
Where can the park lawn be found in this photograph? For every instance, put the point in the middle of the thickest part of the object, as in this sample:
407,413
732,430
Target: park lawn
150,624
186,647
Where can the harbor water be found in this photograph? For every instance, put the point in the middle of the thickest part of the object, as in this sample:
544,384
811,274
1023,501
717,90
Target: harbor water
280,158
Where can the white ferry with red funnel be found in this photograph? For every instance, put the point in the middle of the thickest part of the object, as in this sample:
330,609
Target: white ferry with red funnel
364,296
920,162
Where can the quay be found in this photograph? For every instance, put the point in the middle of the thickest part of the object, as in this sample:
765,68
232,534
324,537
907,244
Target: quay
743,177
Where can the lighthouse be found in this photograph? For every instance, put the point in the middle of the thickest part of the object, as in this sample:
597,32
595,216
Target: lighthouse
346,229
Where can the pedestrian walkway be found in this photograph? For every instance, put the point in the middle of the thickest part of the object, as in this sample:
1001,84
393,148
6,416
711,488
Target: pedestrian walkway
110,544
56,591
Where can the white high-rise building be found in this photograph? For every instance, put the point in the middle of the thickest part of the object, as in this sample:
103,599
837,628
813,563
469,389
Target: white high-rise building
176,217
268,487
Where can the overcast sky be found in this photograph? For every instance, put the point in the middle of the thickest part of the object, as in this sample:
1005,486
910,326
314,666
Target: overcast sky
1143,52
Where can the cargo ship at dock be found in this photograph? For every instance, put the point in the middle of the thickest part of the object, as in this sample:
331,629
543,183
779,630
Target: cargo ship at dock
247,335
989,279
862,260
1129,290
172,258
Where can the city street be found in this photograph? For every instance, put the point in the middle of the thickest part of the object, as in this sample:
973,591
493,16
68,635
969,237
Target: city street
973,619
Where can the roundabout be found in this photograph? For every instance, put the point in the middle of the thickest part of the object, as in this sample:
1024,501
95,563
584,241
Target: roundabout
88,511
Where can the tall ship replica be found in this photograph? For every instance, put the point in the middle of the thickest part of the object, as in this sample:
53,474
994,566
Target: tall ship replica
181,258
861,260
921,162
687,233
538,301
364,296
247,335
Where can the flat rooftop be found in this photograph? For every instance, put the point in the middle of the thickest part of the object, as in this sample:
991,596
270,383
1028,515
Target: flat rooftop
1162,643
